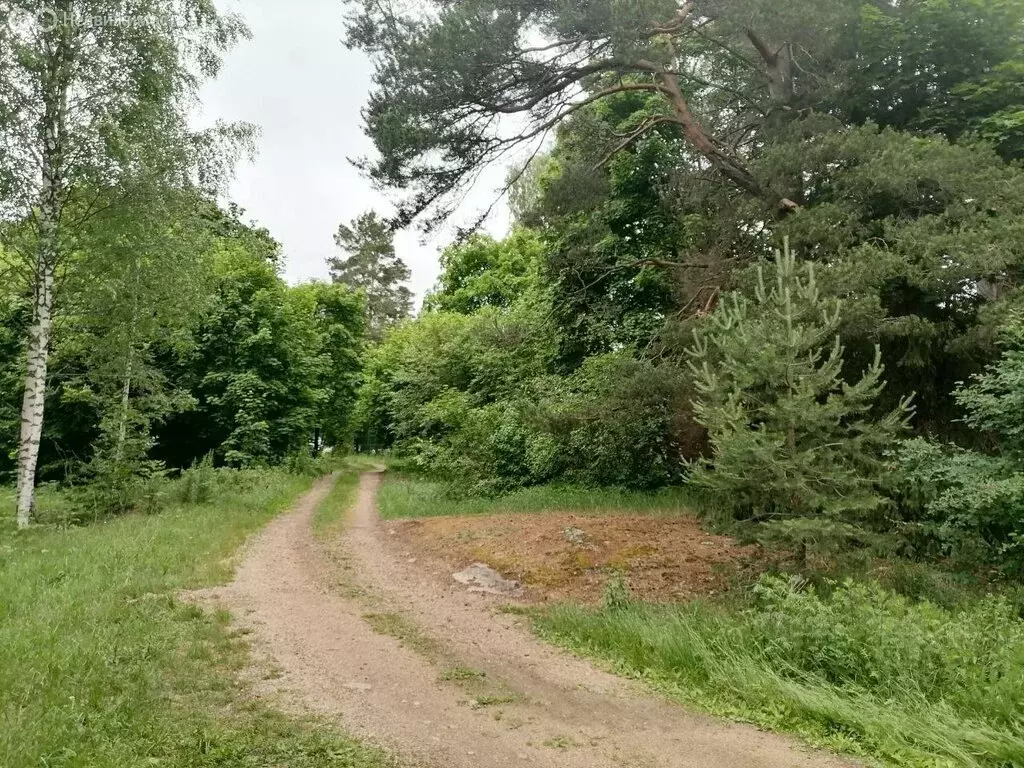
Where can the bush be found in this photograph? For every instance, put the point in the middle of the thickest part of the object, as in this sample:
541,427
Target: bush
614,420
961,504
304,464
117,488
197,484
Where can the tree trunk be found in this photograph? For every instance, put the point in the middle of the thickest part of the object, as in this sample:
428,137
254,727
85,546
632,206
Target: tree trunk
129,366
35,379
122,427
48,218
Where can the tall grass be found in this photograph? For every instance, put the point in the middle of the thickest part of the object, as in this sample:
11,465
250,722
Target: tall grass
410,496
102,666
859,669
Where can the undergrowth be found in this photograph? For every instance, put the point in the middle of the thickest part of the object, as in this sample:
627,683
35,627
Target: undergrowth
854,667
102,665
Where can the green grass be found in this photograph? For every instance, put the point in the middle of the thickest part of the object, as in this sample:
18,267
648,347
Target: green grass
462,675
408,496
858,668
103,666
53,506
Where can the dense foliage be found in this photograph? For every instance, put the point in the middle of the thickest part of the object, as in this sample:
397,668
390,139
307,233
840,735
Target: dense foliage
789,437
151,374
968,503
691,140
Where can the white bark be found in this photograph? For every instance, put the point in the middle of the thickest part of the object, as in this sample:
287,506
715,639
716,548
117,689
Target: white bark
122,427
48,217
35,381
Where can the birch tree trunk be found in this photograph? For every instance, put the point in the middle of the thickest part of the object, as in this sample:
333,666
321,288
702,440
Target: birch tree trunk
122,426
35,378
50,210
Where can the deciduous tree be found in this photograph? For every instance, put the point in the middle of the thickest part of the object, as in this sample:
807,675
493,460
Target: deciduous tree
84,86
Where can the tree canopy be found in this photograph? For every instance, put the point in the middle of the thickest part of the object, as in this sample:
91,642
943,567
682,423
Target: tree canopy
727,76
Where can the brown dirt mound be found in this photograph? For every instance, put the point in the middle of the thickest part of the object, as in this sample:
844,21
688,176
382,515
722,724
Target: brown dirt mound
566,556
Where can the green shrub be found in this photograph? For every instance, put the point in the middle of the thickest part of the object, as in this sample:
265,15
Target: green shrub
617,594
613,421
961,504
117,488
197,485
301,463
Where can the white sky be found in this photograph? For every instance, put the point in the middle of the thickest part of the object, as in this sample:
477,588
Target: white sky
298,82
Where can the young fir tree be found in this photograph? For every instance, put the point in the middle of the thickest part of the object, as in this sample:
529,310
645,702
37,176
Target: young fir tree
791,438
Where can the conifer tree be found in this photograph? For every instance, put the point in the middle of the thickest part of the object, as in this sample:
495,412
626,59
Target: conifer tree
371,265
791,437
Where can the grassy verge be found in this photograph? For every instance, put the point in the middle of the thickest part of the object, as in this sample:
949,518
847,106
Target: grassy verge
408,496
102,666
857,668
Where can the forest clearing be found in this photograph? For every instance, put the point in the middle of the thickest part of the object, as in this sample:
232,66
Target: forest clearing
656,402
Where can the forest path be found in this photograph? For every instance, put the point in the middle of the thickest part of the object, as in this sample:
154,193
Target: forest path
441,676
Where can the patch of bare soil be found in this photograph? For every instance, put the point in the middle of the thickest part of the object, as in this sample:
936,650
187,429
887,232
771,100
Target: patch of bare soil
361,633
566,556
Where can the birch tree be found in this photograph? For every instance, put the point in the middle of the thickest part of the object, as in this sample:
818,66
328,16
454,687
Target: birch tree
138,290
85,86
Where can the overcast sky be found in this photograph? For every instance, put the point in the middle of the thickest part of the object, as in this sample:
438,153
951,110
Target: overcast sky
298,82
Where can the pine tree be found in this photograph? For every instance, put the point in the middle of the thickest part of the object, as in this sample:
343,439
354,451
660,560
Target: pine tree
791,438
370,265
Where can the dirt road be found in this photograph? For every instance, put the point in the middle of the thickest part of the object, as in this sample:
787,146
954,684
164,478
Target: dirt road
441,677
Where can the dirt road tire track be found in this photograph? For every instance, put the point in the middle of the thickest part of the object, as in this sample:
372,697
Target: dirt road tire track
563,711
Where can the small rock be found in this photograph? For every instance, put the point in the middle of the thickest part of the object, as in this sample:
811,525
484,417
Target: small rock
575,536
481,578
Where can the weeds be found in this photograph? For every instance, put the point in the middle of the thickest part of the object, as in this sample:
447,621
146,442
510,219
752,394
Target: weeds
403,629
462,675
616,593
330,514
